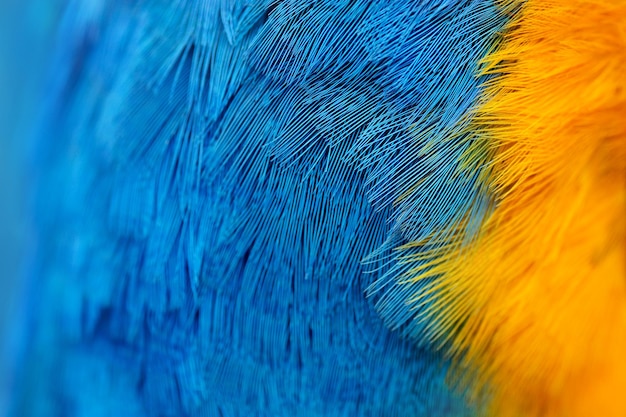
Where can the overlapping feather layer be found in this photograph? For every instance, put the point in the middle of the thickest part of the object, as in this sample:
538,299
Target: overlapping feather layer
211,175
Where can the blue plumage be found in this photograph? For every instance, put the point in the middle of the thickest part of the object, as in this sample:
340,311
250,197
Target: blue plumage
213,174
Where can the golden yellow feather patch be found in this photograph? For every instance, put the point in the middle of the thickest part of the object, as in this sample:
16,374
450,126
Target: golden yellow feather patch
536,305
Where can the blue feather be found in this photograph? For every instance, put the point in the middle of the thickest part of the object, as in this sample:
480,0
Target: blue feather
213,175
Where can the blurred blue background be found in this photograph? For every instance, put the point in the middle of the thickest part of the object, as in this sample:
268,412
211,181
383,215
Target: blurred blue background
26,37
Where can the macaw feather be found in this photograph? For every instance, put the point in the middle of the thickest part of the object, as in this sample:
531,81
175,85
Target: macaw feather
211,175
535,306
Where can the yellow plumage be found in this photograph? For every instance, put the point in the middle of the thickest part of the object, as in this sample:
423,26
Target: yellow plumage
536,305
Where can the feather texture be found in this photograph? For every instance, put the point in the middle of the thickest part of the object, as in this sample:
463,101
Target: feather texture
535,305
212,174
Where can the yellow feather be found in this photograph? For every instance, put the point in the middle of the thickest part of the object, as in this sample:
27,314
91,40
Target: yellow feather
536,307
